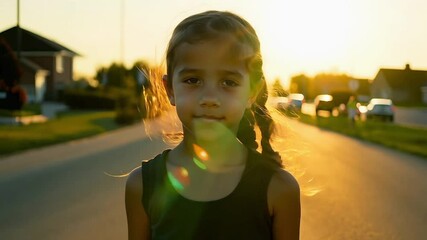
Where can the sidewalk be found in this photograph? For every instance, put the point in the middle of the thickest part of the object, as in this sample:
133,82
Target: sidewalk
44,156
41,157
49,111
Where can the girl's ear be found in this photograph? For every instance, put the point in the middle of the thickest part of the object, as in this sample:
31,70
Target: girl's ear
169,89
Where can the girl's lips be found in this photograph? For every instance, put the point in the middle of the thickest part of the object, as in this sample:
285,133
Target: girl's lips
211,118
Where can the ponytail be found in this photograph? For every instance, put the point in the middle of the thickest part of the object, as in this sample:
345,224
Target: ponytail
260,116
246,133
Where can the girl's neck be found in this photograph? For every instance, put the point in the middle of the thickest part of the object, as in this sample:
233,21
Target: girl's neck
218,156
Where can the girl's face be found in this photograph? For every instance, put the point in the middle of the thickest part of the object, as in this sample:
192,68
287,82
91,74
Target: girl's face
210,85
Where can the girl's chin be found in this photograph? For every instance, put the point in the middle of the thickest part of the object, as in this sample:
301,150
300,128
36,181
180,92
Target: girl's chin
209,130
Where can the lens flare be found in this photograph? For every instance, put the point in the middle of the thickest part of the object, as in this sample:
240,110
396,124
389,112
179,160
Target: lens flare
201,156
199,164
184,173
200,153
179,178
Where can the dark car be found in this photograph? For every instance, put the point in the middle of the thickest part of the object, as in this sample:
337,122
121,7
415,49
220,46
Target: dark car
324,102
381,108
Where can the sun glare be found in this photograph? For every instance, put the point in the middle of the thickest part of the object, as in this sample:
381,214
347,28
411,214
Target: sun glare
313,34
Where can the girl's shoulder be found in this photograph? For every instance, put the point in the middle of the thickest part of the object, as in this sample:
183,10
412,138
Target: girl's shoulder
133,190
284,194
284,205
283,183
279,178
135,177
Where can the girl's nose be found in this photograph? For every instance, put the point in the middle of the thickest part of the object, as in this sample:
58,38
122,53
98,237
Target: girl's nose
209,97
209,101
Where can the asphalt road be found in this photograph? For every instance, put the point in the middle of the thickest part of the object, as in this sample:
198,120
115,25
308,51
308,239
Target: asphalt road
351,189
64,192
357,190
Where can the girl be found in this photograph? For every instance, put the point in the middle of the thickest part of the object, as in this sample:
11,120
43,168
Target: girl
214,184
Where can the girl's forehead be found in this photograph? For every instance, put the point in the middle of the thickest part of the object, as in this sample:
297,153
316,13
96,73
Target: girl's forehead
224,47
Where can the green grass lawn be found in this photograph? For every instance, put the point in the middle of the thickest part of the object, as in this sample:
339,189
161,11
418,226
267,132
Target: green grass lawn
408,139
27,110
68,126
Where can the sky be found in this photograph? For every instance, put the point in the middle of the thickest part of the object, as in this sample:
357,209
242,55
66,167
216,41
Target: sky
354,37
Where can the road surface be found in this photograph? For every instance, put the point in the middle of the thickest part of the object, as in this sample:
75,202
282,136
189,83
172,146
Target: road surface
360,190
351,189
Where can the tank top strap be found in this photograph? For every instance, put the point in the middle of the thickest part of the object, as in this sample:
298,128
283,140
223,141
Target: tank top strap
152,177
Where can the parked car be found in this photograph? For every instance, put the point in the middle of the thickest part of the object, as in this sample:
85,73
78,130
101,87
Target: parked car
324,102
281,102
295,101
381,108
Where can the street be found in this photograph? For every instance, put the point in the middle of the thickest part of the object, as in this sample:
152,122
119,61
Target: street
362,191
350,189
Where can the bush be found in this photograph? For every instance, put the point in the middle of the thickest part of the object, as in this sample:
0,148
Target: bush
129,107
127,110
85,99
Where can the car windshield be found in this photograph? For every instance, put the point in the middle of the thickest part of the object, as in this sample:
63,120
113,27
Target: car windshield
382,106
324,98
296,96
381,101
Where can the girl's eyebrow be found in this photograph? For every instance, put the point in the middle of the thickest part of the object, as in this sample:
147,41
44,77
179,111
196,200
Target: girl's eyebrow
186,70
232,73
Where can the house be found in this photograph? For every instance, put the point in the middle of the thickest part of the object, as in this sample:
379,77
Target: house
400,85
47,65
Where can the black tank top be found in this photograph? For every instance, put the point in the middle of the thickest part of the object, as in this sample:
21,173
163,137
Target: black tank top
243,214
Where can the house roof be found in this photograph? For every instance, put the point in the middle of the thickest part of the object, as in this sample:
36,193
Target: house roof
404,78
32,42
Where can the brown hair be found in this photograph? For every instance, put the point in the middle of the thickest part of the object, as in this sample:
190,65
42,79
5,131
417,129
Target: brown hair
210,24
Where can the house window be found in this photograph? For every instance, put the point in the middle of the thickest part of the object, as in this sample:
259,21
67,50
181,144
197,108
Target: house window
59,64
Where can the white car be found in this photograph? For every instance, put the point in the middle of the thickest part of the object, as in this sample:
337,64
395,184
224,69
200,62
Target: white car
380,108
281,102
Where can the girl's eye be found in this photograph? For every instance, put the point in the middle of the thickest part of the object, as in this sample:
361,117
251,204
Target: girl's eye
230,83
192,81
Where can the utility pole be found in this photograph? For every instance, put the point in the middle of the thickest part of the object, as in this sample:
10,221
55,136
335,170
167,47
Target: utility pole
18,40
122,17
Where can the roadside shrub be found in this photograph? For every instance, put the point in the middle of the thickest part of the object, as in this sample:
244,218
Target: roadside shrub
129,106
127,110
84,99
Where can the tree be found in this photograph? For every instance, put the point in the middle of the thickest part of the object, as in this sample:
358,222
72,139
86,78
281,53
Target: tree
300,84
138,91
278,90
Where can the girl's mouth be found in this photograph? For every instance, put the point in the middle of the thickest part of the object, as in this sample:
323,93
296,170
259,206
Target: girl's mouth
209,118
